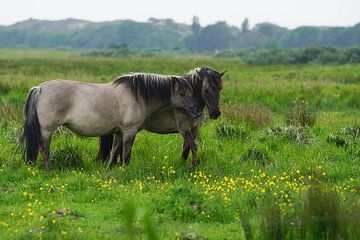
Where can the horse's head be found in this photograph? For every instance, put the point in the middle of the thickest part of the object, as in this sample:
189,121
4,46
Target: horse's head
183,97
212,84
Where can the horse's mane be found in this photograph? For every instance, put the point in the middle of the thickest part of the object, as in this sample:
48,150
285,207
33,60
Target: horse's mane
194,77
149,86
155,86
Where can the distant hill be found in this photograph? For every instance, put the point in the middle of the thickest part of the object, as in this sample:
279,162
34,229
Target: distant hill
66,25
165,34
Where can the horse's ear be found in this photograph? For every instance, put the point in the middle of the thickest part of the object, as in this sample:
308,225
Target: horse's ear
222,74
174,84
199,72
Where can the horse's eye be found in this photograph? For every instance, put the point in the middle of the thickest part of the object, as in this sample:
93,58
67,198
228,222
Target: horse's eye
182,94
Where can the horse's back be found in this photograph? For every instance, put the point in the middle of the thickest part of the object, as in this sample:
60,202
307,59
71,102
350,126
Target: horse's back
66,101
86,108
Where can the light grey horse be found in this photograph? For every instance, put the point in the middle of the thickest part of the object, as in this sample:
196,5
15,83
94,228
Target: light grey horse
207,84
119,107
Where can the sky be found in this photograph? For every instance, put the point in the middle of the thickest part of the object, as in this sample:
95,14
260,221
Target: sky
286,13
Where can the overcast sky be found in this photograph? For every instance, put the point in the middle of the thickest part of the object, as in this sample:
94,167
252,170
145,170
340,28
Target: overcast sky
287,13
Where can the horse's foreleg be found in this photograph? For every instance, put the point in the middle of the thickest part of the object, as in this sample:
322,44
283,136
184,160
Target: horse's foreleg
193,146
128,140
116,147
190,144
186,150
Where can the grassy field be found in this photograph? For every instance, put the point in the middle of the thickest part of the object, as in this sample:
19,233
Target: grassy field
282,162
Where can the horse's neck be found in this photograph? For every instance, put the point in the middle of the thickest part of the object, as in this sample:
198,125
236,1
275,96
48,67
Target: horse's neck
157,105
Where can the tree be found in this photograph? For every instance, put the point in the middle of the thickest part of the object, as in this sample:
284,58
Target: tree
211,37
195,26
245,26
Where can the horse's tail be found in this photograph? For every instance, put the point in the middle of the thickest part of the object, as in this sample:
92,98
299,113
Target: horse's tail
105,143
31,134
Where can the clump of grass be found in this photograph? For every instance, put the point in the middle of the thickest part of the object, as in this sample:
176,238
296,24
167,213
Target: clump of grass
129,218
11,111
256,116
271,223
339,141
182,203
191,236
353,131
225,129
256,155
349,138
132,216
67,156
323,216
4,87
300,114
296,134
246,225
320,214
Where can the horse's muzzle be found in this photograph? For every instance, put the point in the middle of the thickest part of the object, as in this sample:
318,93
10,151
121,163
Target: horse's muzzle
214,114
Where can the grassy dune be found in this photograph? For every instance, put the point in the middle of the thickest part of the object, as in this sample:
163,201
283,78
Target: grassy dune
282,162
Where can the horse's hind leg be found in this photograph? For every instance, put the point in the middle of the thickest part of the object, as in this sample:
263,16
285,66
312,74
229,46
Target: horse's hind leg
45,148
105,146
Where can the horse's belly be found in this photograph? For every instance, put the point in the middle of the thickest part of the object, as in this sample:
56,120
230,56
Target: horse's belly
91,128
155,127
161,122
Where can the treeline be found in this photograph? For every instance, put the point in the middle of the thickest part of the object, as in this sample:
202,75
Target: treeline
165,34
312,54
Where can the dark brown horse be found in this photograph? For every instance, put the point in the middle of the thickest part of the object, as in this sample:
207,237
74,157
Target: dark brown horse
207,84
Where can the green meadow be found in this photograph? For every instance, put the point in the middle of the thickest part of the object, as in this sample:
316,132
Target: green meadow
282,161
